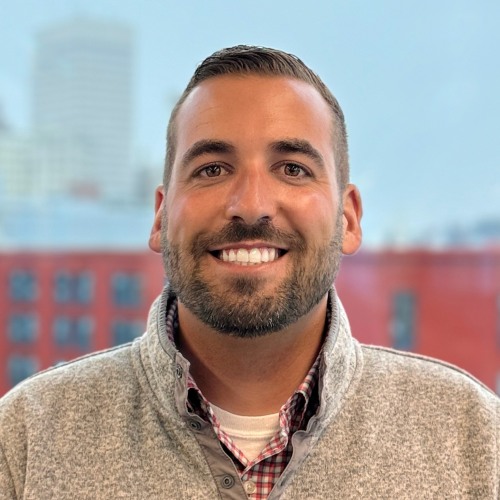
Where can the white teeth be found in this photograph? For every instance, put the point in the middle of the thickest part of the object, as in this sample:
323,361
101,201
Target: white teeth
245,257
242,255
254,256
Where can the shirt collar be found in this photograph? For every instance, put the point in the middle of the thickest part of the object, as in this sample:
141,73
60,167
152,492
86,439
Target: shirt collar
294,414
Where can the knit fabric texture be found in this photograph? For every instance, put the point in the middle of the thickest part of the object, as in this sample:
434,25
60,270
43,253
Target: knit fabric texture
389,425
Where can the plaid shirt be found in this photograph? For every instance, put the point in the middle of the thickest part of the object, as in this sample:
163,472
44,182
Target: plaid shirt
260,475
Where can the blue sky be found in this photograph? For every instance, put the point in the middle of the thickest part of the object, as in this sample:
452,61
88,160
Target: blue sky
418,82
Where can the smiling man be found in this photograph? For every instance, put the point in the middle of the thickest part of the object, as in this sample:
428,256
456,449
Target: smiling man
248,383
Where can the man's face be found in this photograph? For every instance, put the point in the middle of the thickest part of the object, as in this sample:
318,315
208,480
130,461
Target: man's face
252,226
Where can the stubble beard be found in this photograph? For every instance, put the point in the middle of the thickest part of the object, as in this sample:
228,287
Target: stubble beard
241,309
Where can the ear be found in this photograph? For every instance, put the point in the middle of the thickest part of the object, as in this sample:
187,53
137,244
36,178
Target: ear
155,237
353,211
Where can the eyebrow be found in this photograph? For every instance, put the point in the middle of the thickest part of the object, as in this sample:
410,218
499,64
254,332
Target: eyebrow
300,146
206,146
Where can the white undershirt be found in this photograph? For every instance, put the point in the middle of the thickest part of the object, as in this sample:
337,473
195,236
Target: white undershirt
249,434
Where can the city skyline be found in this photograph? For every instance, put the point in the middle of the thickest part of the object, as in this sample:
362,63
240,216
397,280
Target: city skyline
416,84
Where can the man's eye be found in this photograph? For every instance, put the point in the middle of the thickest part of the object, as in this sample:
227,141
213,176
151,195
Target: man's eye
293,170
212,171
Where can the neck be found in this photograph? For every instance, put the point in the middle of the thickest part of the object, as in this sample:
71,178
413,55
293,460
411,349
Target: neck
251,376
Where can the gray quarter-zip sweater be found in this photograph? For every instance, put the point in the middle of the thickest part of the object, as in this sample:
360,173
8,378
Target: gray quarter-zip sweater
112,425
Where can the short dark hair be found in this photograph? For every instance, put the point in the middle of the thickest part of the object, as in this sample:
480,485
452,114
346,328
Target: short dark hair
251,60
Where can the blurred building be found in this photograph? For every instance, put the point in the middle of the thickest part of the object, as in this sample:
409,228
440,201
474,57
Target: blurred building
444,304
57,306
481,233
82,109
64,223
15,166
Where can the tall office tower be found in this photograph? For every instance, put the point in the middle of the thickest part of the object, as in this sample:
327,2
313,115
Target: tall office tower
82,108
15,180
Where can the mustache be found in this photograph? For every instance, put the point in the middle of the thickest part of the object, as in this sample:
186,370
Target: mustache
237,231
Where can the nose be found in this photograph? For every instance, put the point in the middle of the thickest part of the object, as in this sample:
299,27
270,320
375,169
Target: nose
252,198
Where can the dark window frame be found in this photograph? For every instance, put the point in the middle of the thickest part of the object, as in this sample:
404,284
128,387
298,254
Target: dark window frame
125,331
73,331
23,286
20,367
126,289
73,287
403,320
23,328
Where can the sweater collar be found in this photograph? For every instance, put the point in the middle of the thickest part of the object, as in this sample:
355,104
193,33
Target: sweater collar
340,360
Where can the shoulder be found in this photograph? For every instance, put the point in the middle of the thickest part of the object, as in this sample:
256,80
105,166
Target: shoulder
408,376
72,384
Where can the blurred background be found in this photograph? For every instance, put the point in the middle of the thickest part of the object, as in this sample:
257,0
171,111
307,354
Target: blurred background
86,89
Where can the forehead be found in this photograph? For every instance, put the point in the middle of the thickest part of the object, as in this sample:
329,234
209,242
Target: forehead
251,110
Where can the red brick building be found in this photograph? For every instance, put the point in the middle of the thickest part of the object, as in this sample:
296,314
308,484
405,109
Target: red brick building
57,306
441,304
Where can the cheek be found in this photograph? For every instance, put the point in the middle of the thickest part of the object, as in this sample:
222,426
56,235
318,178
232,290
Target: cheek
315,217
188,216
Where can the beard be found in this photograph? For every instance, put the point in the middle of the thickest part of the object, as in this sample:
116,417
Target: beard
239,307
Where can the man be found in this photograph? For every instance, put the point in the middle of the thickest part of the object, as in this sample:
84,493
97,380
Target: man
247,382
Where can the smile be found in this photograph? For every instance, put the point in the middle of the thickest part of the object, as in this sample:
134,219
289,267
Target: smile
249,256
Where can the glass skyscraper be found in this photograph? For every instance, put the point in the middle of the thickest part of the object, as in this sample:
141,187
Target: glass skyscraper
82,108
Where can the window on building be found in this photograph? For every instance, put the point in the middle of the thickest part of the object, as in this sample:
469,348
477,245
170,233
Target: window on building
73,287
73,332
61,329
403,320
84,288
83,328
22,286
62,287
22,328
21,367
126,331
126,289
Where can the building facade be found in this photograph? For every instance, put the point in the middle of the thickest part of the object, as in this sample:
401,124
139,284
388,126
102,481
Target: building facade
82,108
58,306
442,304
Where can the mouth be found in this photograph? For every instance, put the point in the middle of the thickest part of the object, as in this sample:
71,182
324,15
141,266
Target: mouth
249,256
